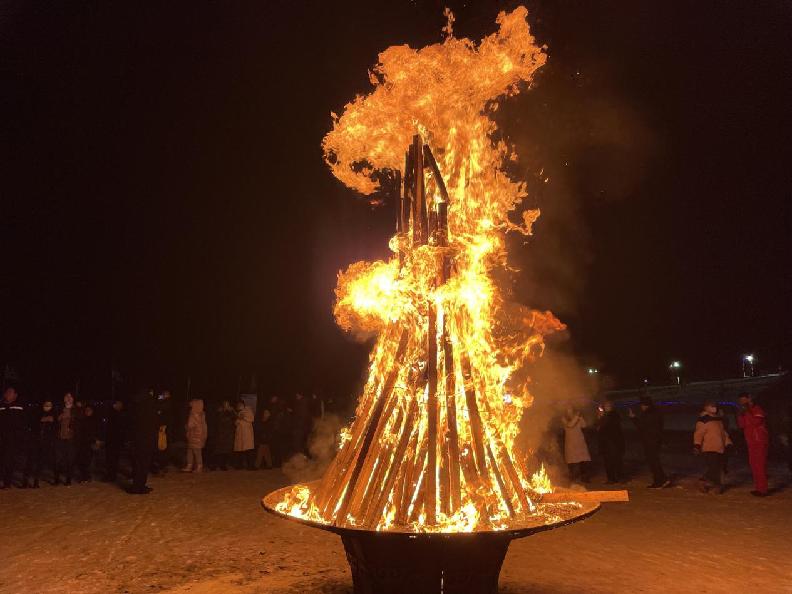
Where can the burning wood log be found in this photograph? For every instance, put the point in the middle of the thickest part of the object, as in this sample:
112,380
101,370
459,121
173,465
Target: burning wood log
585,496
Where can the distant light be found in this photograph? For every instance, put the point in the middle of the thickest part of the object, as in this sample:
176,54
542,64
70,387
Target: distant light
592,370
749,358
675,365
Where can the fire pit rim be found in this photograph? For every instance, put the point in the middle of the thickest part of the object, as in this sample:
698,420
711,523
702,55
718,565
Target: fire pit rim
590,508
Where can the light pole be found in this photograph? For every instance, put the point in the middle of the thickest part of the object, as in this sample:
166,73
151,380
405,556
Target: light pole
748,365
676,371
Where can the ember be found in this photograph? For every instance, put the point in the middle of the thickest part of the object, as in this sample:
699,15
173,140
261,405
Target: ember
433,446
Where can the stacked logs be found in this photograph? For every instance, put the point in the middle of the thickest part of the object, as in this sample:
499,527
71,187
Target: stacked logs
405,452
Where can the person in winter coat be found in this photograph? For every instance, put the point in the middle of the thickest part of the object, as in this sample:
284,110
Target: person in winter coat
262,435
711,439
610,440
224,436
576,451
41,451
650,431
145,430
115,437
65,444
243,437
753,422
13,435
196,433
87,442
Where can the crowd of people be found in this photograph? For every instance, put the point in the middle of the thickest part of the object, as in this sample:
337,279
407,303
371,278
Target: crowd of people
64,440
710,440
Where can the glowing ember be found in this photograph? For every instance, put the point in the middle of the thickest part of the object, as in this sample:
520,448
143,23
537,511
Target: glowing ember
433,446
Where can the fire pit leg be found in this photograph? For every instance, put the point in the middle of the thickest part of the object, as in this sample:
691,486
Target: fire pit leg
384,563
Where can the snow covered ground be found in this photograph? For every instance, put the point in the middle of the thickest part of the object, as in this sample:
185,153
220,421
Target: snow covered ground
201,534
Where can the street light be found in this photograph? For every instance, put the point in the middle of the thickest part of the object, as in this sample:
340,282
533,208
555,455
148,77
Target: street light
748,364
676,371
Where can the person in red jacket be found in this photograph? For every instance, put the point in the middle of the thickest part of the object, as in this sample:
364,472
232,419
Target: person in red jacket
754,425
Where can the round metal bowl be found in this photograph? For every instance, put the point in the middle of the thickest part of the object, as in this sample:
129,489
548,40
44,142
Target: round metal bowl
399,561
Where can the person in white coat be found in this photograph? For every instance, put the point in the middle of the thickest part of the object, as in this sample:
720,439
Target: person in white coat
244,441
576,452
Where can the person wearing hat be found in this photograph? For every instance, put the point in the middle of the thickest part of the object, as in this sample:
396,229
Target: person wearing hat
13,424
711,440
650,430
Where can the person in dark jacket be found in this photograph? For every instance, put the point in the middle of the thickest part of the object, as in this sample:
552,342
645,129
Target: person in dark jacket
301,424
145,430
41,450
650,431
263,437
610,440
225,423
13,435
115,437
87,437
65,448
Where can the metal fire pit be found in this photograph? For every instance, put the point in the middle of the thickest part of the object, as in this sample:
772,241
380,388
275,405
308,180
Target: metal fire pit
396,562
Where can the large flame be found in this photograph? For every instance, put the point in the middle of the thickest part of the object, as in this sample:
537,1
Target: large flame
433,446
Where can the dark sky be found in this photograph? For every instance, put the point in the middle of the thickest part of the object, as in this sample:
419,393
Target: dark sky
165,208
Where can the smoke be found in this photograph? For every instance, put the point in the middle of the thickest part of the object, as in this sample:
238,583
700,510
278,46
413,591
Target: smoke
322,448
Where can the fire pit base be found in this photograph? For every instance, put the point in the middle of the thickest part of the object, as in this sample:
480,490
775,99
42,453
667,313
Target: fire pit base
384,563
401,562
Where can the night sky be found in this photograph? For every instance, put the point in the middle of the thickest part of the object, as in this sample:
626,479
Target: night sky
165,210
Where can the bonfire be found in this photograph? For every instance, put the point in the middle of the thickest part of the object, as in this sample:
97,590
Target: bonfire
434,445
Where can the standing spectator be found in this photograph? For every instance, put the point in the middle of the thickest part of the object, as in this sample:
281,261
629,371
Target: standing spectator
576,451
301,424
86,440
650,431
610,440
165,416
115,437
711,440
196,432
12,435
43,434
145,429
225,434
65,447
753,422
262,434
243,436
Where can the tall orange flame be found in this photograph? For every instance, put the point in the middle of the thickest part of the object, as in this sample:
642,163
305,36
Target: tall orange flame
433,446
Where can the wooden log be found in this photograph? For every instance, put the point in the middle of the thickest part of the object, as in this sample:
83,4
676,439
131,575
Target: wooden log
418,195
430,161
376,509
337,474
416,466
476,429
585,496
371,429
506,495
452,436
397,190
431,415
374,467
